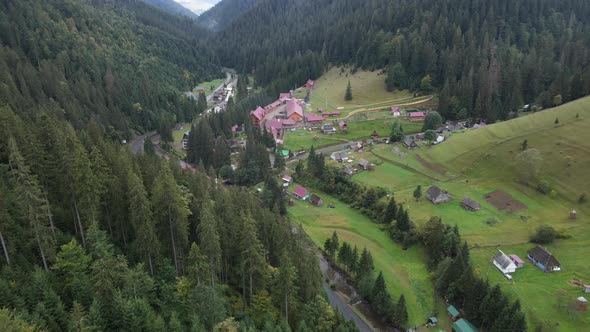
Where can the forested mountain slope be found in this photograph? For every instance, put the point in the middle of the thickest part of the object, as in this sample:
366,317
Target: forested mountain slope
173,7
123,63
487,57
224,13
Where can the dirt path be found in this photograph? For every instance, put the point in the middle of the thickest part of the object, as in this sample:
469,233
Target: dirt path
379,108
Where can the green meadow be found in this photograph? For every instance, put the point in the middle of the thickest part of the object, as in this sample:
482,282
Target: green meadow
479,161
404,270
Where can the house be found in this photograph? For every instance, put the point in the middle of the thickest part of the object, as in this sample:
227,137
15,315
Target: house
284,96
432,321
320,109
395,112
463,325
439,139
328,129
437,195
300,192
586,288
314,118
410,143
185,139
342,125
339,156
374,134
364,164
347,170
453,312
543,259
316,200
257,115
416,116
469,204
504,263
294,110
309,84
519,262
287,180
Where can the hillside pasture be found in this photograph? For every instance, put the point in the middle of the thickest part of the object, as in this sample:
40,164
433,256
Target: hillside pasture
481,161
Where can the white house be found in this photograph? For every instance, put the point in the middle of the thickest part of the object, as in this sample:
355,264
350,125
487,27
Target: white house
504,263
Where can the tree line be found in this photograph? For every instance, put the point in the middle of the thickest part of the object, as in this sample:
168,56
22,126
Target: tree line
454,277
485,58
97,238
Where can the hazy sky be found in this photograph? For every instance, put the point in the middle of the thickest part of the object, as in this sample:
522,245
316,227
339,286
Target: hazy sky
198,6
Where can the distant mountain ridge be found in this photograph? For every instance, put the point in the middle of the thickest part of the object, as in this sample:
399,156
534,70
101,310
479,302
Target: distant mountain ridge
224,13
172,7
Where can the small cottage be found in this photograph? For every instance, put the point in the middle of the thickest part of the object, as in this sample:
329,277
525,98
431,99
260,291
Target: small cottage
347,170
300,192
410,143
287,180
503,263
342,125
339,156
328,129
519,262
573,214
543,259
364,164
185,139
432,321
586,288
395,111
463,325
437,195
469,204
316,200
416,116
453,313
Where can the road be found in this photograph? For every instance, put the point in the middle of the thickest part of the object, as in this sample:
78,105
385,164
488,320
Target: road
136,145
336,147
337,300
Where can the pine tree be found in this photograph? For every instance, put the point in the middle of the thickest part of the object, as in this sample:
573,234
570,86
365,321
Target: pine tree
401,312
348,94
33,203
171,212
141,218
390,211
251,254
366,266
418,193
285,285
209,240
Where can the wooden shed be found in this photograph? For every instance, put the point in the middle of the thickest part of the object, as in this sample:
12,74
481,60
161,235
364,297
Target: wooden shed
470,204
316,200
581,304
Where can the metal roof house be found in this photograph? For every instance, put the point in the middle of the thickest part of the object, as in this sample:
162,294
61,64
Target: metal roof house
543,259
437,195
364,164
453,313
463,325
316,200
300,192
504,263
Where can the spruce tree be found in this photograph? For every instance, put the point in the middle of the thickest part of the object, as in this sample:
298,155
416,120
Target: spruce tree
348,94
390,211
418,193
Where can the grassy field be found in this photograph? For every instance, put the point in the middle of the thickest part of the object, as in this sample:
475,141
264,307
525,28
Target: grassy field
301,139
207,85
404,270
367,88
481,160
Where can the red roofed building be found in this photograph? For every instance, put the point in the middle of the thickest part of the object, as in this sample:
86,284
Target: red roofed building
417,116
294,110
284,96
309,84
395,111
314,118
300,192
257,116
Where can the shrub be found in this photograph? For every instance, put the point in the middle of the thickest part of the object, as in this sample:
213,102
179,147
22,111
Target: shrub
582,198
544,234
543,187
